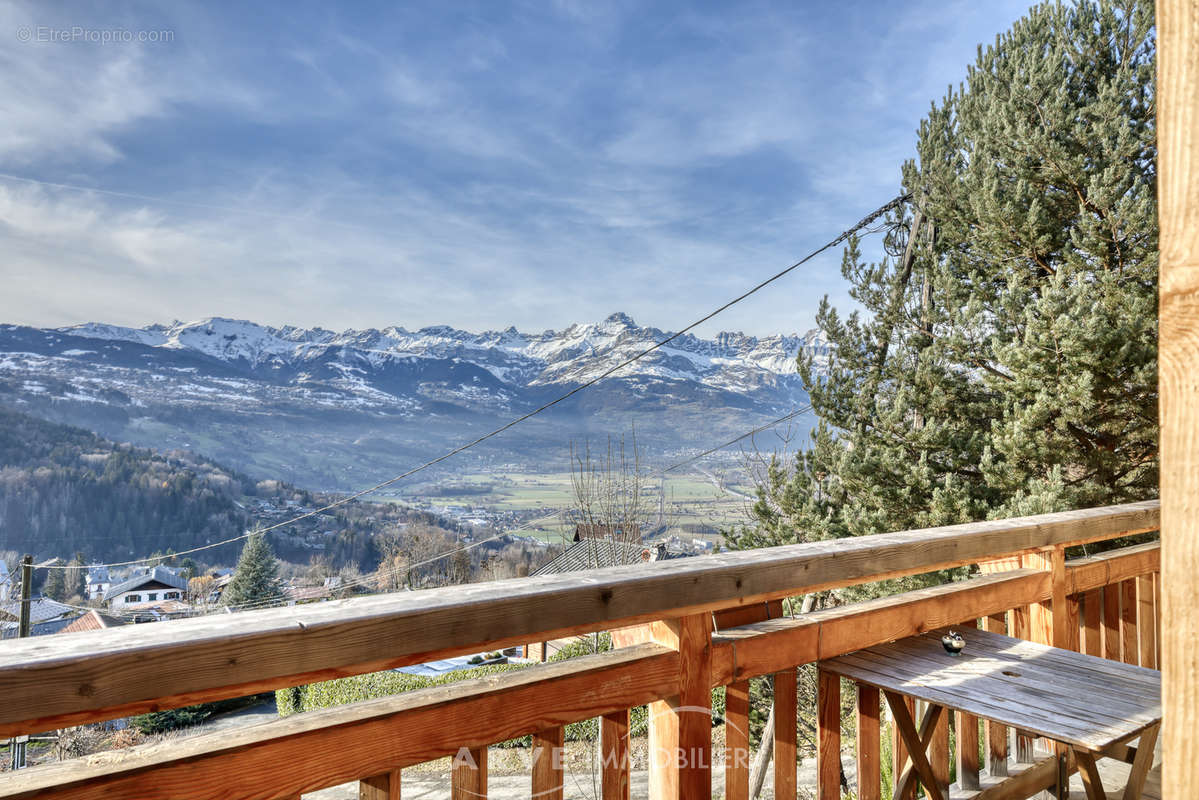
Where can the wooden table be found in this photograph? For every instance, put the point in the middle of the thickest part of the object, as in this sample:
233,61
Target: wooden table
1091,706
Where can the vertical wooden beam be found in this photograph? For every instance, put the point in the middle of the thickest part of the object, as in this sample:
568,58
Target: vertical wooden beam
1128,620
868,743
1040,615
938,752
681,726
380,787
1145,645
1111,622
736,741
967,751
1073,637
614,755
1177,98
468,775
1092,632
996,735
899,749
1045,626
1022,623
786,722
828,736
548,757
1157,617
1049,622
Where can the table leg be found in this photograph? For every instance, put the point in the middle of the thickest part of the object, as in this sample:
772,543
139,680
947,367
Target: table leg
1141,763
1062,784
1064,769
917,743
1090,774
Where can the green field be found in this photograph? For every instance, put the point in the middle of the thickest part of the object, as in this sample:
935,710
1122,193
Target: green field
683,502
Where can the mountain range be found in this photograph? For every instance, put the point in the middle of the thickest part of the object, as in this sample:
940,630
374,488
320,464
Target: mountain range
331,409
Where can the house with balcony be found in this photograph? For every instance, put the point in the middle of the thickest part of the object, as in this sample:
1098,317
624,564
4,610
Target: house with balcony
144,589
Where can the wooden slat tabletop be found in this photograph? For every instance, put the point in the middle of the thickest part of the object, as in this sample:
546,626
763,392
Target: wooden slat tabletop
1074,698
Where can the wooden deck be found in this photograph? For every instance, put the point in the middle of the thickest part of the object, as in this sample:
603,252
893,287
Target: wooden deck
691,627
1114,773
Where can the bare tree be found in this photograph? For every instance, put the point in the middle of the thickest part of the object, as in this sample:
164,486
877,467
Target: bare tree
610,514
609,504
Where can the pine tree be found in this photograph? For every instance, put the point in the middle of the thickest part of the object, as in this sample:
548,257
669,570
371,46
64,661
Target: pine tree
76,578
256,578
55,586
1004,361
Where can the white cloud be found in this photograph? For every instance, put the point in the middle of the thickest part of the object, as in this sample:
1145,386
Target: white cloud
347,181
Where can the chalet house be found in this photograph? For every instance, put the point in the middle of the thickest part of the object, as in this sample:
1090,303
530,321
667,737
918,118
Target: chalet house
99,581
5,582
159,584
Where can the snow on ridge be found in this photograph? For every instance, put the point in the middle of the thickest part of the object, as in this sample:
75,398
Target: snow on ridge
115,333
575,353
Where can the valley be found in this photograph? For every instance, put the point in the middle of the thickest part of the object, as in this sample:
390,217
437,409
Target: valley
337,412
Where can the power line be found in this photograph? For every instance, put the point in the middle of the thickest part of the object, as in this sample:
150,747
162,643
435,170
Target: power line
732,442
374,577
865,221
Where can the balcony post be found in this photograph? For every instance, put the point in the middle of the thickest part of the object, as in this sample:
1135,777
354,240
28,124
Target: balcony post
680,727
828,737
380,787
736,741
868,743
468,775
786,726
1177,98
548,755
614,754
1048,627
996,735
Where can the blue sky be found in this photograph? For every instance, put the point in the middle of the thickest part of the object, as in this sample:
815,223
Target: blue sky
471,164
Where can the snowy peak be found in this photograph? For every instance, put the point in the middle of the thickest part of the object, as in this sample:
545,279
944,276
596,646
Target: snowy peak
730,360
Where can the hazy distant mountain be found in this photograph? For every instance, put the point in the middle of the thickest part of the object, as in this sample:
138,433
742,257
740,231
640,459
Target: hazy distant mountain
330,409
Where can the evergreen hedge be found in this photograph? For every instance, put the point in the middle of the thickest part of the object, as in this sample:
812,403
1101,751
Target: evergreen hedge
381,684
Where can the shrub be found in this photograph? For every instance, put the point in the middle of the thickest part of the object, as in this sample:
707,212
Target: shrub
382,684
186,717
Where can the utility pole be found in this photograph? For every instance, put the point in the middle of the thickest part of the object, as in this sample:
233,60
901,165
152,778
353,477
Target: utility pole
26,594
17,743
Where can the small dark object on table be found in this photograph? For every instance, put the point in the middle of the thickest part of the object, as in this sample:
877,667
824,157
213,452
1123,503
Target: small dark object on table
953,643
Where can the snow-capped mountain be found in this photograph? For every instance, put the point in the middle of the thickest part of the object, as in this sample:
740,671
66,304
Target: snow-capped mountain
576,354
231,382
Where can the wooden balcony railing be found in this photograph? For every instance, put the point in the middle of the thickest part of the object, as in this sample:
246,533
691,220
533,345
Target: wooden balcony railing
687,626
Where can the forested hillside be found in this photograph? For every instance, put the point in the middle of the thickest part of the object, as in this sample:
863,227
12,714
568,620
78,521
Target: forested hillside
65,490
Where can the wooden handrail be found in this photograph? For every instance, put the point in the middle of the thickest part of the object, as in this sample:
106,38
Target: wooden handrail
58,681
321,748
310,751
